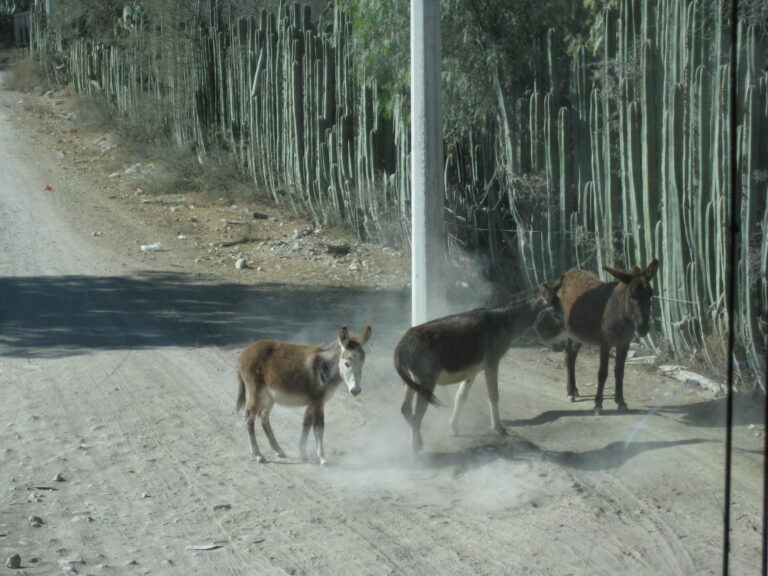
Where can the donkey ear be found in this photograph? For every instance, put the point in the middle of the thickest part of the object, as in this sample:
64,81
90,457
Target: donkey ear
364,335
547,292
650,272
620,275
344,337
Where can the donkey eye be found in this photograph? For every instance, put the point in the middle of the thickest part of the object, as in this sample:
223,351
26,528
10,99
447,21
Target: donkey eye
347,363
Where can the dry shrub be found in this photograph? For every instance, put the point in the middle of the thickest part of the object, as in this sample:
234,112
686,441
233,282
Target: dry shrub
215,175
143,139
27,75
94,114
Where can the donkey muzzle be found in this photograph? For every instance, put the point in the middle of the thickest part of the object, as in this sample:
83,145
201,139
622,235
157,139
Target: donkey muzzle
355,391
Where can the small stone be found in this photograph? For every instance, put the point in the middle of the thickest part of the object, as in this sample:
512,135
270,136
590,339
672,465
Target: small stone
145,495
59,478
13,562
35,521
72,560
241,263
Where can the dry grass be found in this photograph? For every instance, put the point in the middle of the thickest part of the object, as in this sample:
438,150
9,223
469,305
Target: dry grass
26,75
177,169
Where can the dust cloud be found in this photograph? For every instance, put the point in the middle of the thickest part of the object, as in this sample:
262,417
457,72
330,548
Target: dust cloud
369,442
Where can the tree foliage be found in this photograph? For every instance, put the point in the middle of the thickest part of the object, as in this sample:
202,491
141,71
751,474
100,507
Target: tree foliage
483,42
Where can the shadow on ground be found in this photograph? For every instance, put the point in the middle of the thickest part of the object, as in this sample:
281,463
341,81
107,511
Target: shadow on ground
553,415
711,413
608,457
65,315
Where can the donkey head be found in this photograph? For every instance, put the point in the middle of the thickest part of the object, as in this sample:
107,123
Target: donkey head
550,324
352,357
638,294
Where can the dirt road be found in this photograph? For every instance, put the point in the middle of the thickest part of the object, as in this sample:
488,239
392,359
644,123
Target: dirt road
117,430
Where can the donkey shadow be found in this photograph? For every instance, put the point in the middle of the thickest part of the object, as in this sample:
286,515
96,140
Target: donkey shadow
553,415
609,457
712,413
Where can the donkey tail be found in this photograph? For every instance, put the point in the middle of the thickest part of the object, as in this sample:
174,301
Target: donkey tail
240,393
422,391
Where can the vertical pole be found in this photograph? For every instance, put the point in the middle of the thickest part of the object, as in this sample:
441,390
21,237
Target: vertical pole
427,229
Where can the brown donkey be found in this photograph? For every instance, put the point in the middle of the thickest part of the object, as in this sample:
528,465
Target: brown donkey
455,348
271,372
607,314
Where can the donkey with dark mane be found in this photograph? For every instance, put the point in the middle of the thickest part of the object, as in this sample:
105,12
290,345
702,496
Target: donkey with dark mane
271,372
455,348
608,314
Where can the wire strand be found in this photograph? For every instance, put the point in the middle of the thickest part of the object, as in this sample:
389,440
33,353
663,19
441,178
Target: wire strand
765,475
731,288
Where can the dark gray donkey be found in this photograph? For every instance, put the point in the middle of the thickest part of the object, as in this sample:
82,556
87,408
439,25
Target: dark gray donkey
608,314
455,348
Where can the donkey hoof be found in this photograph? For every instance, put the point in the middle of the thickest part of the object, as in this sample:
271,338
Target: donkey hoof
500,431
598,410
260,459
571,398
622,407
323,462
280,454
454,431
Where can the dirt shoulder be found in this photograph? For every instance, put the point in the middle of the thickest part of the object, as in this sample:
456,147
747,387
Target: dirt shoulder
119,201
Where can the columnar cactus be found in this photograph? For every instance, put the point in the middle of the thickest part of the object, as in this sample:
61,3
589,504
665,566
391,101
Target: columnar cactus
570,170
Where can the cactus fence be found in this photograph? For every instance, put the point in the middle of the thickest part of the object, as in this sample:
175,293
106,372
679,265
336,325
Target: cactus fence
611,160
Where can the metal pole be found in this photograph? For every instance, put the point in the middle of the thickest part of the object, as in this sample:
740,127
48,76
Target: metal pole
427,228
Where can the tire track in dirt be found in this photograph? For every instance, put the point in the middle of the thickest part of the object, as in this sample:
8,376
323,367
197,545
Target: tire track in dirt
169,487
642,535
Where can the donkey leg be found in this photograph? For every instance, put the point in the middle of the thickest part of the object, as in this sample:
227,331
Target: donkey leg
249,426
406,408
309,417
318,427
602,376
265,423
618,373
461,397
418,415
571,351
252,409
492,383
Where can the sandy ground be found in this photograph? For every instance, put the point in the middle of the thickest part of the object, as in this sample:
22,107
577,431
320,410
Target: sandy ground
121,453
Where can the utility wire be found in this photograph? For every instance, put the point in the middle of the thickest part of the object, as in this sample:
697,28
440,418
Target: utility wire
765,473
731,290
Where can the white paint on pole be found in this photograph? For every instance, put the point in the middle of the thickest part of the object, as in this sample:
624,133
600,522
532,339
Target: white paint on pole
427,219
